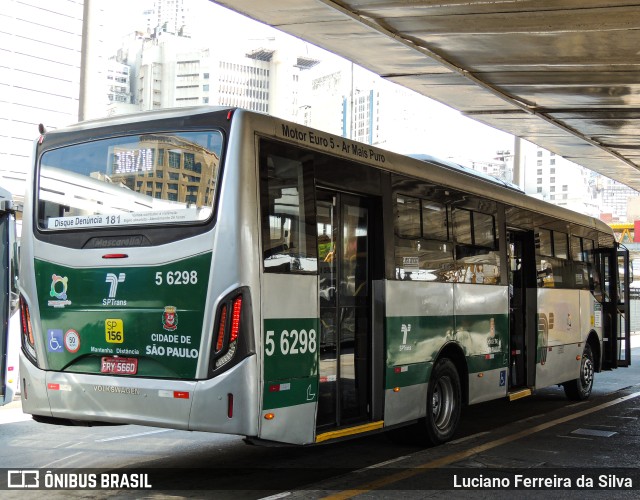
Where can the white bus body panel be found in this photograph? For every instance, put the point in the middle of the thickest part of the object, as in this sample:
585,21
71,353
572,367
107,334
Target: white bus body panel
478,300
409,300
560,336
12,373
482,300
287,297
177,404
408,404
234,234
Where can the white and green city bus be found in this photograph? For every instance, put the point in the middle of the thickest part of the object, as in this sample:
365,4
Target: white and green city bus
9,314
218,270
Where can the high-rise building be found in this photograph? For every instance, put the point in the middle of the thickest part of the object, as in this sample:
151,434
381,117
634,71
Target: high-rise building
357,104
175,71
363,115
613,197
171,16
118,82
326,107
501,168
346,101
559,181
40,73
563,183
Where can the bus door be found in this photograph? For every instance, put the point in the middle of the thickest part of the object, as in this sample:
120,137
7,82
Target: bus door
5,296
611,285
623,314
344,254
522,309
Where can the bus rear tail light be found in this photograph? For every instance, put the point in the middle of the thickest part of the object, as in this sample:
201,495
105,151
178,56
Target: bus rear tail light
233,332
27,337
228,328
221,328
235,319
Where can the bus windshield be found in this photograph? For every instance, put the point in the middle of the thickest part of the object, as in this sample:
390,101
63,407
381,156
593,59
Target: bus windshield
160,178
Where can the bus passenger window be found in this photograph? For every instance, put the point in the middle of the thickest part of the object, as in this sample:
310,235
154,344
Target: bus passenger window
288,237
544,273
587,248
424,260
477,260
581,267
544,258
560,245
543,242
462,226
484,234
598,284
422,252
434,221
576,249
555,270
408,217
478,265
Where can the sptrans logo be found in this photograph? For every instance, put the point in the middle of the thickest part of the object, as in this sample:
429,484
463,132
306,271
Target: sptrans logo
113,281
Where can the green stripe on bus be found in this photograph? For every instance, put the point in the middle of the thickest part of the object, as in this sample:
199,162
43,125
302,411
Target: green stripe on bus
291,348
416,339
413,339
289,392
413,342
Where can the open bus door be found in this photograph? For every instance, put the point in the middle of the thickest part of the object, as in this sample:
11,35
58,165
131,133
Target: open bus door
5,290
344,291
523,305
612,268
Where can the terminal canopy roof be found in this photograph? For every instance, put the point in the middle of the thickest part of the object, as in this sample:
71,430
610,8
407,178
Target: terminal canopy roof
563,74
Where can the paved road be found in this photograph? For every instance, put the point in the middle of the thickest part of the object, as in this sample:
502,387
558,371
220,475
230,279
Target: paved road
543,432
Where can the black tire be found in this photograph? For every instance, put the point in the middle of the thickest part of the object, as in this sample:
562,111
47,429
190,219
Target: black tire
581,387
444,402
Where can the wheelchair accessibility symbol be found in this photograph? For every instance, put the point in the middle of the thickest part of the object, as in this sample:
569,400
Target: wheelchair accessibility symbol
503,378
54,341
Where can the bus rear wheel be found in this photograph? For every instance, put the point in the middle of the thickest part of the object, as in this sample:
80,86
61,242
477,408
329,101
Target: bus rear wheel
444,402
581,387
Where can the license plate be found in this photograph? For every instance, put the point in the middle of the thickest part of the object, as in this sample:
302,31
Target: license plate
119,366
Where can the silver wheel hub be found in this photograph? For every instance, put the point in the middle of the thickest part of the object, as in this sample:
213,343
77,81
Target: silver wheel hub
442,402
587,372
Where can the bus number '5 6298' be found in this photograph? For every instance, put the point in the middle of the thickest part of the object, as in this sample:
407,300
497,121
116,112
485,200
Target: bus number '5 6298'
291,342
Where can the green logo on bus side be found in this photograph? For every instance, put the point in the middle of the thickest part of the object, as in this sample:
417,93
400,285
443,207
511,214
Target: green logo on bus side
413,342
154,314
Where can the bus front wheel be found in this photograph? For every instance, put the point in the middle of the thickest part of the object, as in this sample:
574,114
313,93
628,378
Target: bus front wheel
444,402
581,387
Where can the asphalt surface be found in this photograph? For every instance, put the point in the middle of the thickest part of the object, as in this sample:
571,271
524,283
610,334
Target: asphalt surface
537,447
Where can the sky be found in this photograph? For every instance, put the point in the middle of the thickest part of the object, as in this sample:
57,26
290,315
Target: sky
450,134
